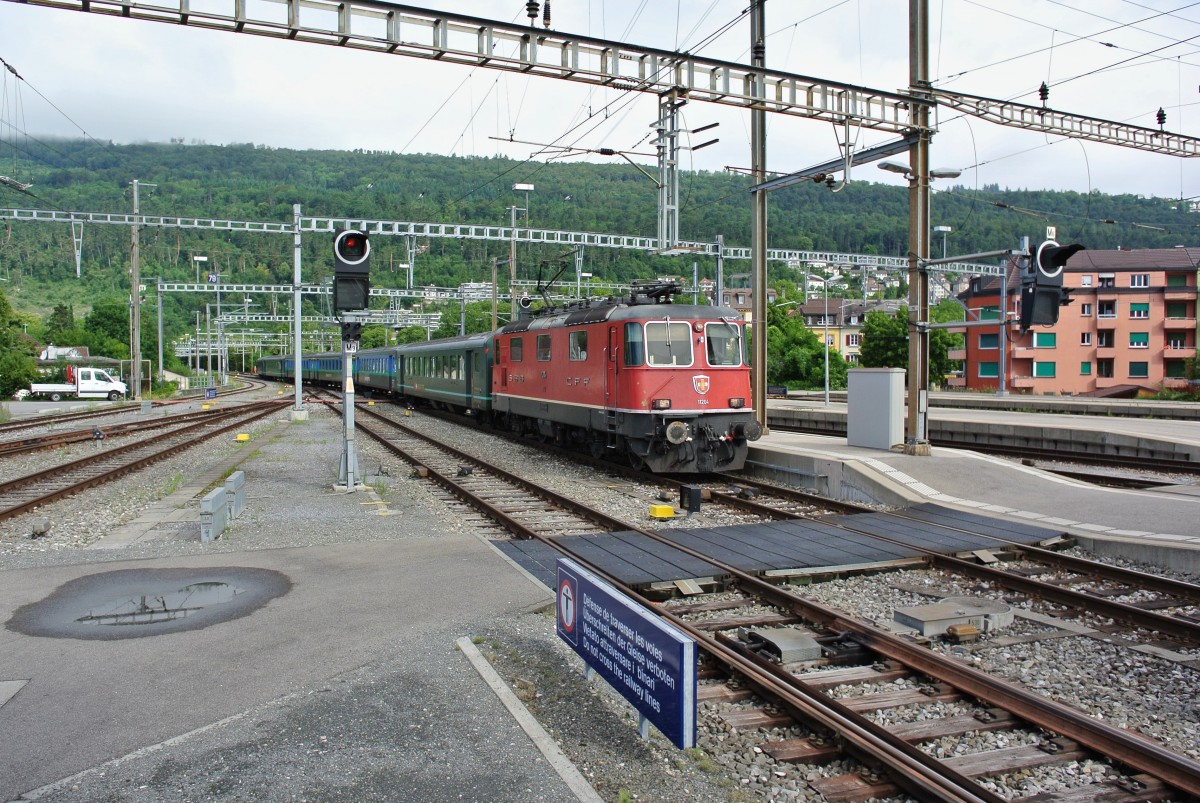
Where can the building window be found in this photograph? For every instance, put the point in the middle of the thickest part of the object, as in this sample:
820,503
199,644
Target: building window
1085,280
1104,339
989,313
1104,368
1139,340
1139,280
1044,340
1085,310
1139,310
1085,339
1108,280
1045,370
989,341
1106,309
1177,280
1175,369
1139,370
1177,342
989,370
852,340
1177,309
1085,368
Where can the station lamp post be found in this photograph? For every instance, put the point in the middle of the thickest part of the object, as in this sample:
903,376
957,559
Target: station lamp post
945,232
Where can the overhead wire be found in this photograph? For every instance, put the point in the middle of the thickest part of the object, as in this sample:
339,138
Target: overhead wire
1077,38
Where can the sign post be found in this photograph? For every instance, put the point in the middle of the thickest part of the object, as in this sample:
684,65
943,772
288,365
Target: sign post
651,663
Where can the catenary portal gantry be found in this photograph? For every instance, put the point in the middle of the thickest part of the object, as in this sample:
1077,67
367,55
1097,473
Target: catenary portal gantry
467,231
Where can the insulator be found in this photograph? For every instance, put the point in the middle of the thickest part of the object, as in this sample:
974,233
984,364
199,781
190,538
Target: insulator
531,9
1161,117
546,15
1044,92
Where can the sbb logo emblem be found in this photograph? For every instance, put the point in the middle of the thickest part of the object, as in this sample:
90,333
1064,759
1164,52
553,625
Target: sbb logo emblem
701,384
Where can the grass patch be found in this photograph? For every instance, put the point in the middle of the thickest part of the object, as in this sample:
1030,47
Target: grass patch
173,483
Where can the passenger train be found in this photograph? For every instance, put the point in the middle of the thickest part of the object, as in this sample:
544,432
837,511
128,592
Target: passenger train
664,385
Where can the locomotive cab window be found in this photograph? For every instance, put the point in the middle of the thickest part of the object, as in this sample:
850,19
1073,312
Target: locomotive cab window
516,349
724,344
543,348
668,343
634,344
578,344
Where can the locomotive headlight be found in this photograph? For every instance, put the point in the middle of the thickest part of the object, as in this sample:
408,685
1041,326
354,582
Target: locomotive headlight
737,403
677,432
661,404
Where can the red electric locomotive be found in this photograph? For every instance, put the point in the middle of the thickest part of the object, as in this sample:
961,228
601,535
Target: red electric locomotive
666,384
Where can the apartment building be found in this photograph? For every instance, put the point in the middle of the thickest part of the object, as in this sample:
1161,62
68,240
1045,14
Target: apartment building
1129,329
840,321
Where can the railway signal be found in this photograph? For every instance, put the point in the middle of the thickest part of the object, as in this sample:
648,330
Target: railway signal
1042,291
351,270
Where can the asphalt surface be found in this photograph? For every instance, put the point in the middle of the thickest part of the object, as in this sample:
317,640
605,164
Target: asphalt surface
348,685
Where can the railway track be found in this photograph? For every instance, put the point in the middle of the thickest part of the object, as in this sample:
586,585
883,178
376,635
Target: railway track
50,440
852,654
25,493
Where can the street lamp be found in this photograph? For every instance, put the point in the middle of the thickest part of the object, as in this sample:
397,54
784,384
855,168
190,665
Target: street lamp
945,230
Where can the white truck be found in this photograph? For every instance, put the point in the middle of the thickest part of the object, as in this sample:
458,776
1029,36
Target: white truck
82,383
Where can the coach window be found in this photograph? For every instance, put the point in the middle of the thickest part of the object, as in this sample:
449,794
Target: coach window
635,345
516,349
543,348
578,346
724,344
668,343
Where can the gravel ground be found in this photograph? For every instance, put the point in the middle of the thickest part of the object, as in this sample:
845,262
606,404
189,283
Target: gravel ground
597,730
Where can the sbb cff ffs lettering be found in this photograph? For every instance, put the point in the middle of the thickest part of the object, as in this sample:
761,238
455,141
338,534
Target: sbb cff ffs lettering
351,270
1042,291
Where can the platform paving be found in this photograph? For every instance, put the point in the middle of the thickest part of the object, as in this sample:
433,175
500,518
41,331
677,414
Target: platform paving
351,686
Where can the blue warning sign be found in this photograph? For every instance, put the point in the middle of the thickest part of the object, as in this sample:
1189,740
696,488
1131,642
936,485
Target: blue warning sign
650,662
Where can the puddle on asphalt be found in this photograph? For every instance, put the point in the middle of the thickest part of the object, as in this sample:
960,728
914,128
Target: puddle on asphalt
136,603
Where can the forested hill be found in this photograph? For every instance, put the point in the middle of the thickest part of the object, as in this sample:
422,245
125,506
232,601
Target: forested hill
248,182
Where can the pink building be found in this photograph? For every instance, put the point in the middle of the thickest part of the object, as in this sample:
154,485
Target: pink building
1130,328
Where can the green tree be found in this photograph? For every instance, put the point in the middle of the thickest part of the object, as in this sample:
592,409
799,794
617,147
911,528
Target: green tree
795,356
17,365
410,334
885,344
60,325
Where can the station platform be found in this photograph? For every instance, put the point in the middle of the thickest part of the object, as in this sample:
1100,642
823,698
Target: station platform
1160,526
1021,426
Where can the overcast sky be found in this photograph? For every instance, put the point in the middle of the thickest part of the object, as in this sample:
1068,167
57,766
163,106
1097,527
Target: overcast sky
132,81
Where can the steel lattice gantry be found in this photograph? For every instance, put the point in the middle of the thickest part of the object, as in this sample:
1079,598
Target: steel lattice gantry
455,231
404,30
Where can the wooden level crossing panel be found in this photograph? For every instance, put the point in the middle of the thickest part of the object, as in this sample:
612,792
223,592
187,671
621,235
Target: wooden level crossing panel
1019,532
777,545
